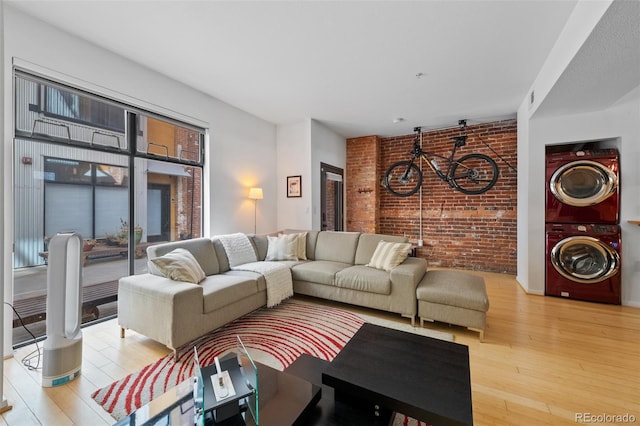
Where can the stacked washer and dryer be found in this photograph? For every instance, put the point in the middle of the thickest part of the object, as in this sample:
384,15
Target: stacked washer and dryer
583,243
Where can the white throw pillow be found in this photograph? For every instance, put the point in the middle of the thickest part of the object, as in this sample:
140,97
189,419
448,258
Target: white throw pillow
180,265
389,255
282,247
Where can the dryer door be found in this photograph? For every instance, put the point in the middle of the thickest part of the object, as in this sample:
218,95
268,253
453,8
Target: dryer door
584,259
583,183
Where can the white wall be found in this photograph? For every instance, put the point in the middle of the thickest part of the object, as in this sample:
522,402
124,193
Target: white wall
326,147
243,155
524,177
531,194
618,122
3,401
302,147
294,159
241,149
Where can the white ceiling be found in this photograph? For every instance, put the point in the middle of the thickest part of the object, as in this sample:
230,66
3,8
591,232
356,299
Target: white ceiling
352,65
606,68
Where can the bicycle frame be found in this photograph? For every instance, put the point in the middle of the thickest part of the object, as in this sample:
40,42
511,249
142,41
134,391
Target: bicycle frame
427,156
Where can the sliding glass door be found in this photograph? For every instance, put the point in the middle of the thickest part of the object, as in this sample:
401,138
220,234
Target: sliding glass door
122,178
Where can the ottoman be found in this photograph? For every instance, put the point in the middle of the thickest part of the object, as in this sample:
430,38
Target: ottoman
453,297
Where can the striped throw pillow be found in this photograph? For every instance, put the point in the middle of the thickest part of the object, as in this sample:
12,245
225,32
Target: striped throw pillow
301,241
389,255
180,265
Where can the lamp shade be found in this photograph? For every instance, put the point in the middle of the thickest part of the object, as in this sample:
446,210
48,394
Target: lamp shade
255,193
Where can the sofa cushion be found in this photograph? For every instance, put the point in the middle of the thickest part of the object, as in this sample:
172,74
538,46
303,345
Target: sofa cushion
282,247
260,244
201,248
367,245
319,271
389,255
179,265
224,289
221,254
260,280
291,263
363,278
337,246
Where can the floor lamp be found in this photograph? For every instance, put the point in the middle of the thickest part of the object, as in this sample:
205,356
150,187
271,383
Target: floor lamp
255,194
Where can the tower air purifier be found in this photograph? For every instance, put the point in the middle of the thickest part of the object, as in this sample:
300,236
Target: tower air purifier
63,345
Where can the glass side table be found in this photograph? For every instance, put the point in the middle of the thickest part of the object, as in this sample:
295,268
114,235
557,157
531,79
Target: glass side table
263,395
174,407
230,407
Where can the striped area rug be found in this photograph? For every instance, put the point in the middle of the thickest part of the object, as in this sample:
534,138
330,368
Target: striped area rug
275,337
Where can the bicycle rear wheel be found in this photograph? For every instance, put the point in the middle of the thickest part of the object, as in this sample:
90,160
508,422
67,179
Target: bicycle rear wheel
474,174
403,179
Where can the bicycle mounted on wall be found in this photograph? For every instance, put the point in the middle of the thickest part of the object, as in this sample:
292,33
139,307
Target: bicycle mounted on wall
472,174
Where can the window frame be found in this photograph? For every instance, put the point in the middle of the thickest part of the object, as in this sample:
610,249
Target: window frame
43,107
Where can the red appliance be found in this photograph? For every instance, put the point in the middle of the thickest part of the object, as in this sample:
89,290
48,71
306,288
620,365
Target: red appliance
583,187
583,262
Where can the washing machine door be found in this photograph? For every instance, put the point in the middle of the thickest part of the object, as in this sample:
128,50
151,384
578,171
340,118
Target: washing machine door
584,259
583,183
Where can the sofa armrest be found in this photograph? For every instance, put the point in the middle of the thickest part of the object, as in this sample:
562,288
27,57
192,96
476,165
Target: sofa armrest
165,310
410,272
404,281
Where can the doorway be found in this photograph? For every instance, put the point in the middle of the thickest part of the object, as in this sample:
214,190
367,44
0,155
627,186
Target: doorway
158,212
331,197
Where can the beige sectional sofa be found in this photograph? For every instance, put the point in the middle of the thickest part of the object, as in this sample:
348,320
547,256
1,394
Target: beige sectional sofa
175,313
339,273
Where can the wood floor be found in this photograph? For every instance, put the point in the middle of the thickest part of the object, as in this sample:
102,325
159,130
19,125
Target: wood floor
544,361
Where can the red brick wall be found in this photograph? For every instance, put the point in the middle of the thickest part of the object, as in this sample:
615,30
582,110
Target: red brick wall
476,232
189,220
188,225
362,184
330,206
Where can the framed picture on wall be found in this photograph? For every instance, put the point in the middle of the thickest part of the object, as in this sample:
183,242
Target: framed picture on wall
294,186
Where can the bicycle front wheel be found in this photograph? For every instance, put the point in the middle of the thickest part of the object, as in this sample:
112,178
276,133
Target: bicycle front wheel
474,174
403,179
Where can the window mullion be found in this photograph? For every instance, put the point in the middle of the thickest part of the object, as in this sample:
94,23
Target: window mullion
131,132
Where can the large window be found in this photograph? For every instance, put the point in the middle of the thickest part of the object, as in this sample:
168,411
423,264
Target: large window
72,107
49,111
120,177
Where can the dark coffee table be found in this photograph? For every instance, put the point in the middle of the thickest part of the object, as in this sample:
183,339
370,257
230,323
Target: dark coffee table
383,369
328,411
